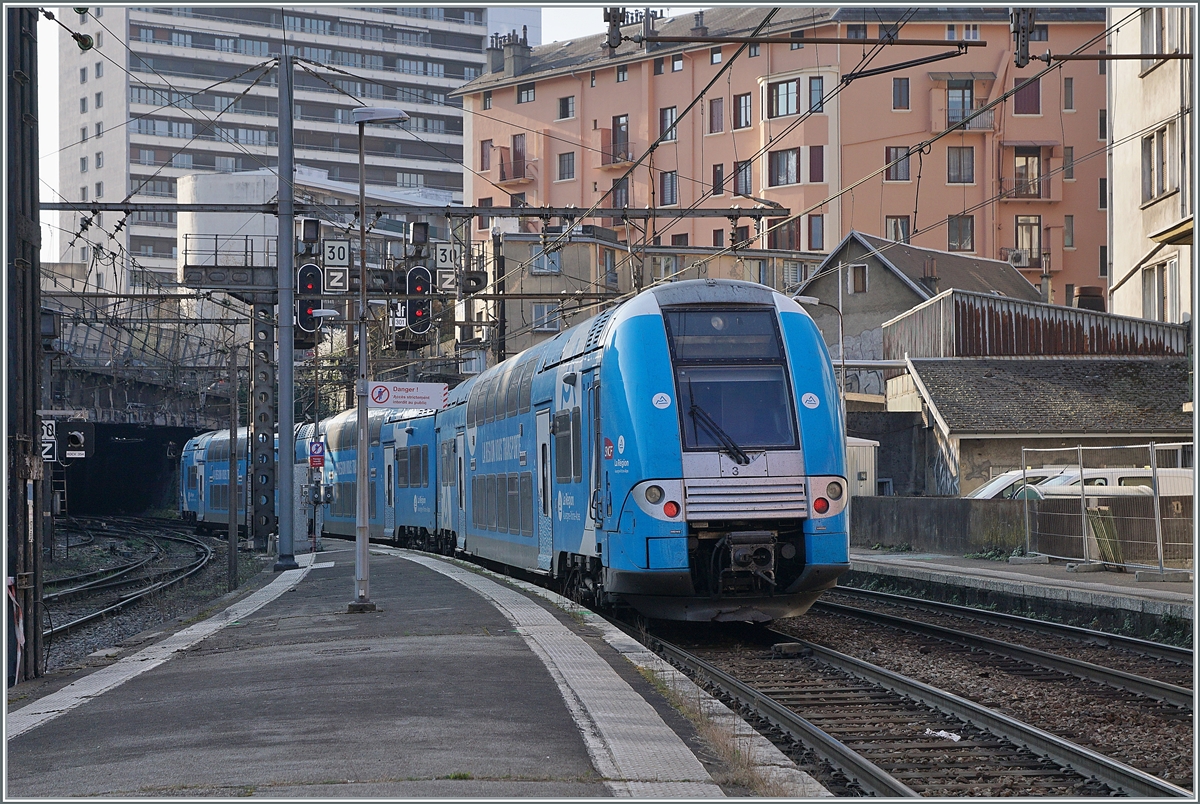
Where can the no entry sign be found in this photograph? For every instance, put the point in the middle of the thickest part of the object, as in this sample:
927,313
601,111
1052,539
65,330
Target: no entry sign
316,454
422,395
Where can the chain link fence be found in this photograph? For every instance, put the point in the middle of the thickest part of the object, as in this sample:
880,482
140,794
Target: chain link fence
1127,507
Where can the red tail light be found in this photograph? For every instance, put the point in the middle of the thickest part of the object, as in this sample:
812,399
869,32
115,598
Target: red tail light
671,509
820,505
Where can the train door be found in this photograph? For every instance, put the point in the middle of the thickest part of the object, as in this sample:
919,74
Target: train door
460,509
545,522
598,489
200,488
389,494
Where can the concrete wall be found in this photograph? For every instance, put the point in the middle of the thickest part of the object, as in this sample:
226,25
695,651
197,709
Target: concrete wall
902,445
938,524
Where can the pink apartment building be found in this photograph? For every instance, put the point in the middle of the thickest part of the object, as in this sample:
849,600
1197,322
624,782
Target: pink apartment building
561,124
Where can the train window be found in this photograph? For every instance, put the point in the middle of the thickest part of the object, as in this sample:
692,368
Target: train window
350,433
502,502
192,477
526,386
475,506
576,446
515,511
485,402
496,398
402,468
723,334
514,390
491,502
374,426
562,446
371,501
713,401
424,465
527,503
472,405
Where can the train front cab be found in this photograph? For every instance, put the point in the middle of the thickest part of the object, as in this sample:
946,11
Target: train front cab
717,501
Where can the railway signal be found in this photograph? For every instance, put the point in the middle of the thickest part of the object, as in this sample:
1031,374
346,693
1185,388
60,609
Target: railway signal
308,283
419,283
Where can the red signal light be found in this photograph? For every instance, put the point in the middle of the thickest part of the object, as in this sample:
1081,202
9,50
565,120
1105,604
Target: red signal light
419,312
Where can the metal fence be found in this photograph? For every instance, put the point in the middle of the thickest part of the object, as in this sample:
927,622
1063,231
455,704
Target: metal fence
1133,508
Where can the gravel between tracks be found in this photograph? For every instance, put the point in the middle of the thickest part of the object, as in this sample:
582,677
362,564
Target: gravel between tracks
1132,730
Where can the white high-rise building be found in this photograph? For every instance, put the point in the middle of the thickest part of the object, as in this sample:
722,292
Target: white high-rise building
168,92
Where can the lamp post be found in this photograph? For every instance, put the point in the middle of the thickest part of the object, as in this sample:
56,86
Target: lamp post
813,301
362,586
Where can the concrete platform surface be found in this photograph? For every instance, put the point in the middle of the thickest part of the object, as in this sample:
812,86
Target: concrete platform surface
459,686
1117,591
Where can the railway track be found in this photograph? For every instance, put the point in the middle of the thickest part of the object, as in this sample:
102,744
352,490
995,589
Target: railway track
894,736
81,599
1009,655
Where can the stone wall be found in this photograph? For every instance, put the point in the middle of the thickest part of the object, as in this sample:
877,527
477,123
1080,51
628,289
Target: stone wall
949,525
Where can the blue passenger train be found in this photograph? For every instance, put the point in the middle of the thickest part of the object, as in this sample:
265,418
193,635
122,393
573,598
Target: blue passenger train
681,453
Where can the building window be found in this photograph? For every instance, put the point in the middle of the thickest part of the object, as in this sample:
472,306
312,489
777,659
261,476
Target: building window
960,233
659,65
900,93
83,164
753,51
716,115
783,234
1027,172
960,100
719,238
83,105
99,159
718,179
622,73
677,62
742,183
1028,99
487,99
741,111
566,107
1028,229
666,124
1156,180
83,75
1069,94
960,165
797,35
816,232
593,78
566,166
83,134
679,239
1068,231
668,188
782,167
544,263
714,56
545,317
99,189
896,228
781,98
816,93
620,193
741,235
99,100
971,32
856,31
83,193
1068,163
525,93
951,34
856,281
1103,193
1102,65
485,221
99,68
99,130
899,170
1104,260
1103,125
816,164
485,155
608,259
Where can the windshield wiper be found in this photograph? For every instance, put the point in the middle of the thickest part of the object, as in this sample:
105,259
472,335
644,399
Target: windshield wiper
700,415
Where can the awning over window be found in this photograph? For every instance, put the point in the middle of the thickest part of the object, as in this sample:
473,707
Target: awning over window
1029,143
963,76
1177,234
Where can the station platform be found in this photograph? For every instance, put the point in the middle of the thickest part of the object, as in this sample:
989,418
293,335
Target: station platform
1103,599
462,684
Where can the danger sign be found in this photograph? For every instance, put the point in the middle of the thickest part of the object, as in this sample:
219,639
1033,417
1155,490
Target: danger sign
419,395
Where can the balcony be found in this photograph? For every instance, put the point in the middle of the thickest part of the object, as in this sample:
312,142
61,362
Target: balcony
1024,259
515,171
1035,189
984,122
615,153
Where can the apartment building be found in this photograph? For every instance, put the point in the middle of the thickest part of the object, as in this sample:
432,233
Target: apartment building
788,124
1152,206
171,91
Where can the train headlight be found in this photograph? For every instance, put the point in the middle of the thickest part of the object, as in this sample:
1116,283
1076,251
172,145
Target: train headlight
820,505
834,490
671,509
653,494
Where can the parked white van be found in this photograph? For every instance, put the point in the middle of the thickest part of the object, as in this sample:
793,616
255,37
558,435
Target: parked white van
1116,482
1005,486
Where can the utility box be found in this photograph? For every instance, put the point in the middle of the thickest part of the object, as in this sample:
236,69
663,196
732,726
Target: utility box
862,456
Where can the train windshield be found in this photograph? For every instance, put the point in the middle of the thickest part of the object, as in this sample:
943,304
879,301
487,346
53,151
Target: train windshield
731,380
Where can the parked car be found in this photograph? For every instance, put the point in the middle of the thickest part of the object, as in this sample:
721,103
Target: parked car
1005,486
1113,482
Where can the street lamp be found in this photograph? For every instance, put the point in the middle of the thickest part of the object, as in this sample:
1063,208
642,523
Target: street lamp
362,590
813,301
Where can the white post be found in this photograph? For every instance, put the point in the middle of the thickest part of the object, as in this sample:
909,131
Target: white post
1157,507
1083,508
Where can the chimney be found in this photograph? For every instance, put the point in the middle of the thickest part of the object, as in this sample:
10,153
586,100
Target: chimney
699,29
495,54
930,278
516,52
